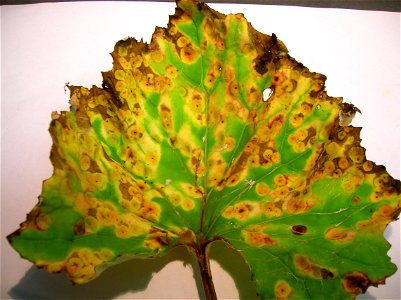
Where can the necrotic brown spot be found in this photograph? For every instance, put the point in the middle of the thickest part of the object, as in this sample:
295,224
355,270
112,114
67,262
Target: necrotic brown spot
356,283
305,265
326,274
299,229
79,228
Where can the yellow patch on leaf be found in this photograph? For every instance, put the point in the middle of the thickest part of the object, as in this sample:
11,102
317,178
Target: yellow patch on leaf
340,234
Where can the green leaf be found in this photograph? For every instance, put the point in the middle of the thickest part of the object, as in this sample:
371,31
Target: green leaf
180,147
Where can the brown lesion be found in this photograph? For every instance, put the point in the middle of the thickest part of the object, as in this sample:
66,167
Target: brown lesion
213,73
297,205
215,30
270,52
166,117
79,227
197,102
157,239
357,282
299,229
196,164
56,159
306,266
257,238
242,211
124,187
149,211
188,54
273,208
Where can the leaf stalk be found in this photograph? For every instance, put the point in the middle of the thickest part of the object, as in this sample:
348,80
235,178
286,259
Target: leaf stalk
204,267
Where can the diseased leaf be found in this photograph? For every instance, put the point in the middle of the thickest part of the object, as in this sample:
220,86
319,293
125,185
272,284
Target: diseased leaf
180,147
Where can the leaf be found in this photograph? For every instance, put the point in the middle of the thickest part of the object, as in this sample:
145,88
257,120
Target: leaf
180,147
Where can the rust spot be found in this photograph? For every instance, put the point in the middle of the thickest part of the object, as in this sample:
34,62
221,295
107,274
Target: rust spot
233,88
273,209
262,189
233,179
242,210
257,238
79,228
386,211
182,41
280,180
296,205
37,219
296,119
357,282
150,211
142,186
299,229
122,231
172,71
357,154
165,108
305,265
188,54
343,163
367,166
278,78
339,234
282,289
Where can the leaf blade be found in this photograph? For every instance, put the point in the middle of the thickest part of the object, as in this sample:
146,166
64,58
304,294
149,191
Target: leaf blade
294,160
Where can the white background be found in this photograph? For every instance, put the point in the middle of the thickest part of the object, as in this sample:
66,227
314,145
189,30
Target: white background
45,46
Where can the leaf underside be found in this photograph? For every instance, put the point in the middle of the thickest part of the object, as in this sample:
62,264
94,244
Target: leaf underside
180,147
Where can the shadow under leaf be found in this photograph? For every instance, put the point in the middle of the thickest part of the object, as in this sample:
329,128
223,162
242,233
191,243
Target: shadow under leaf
232,262
130,276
